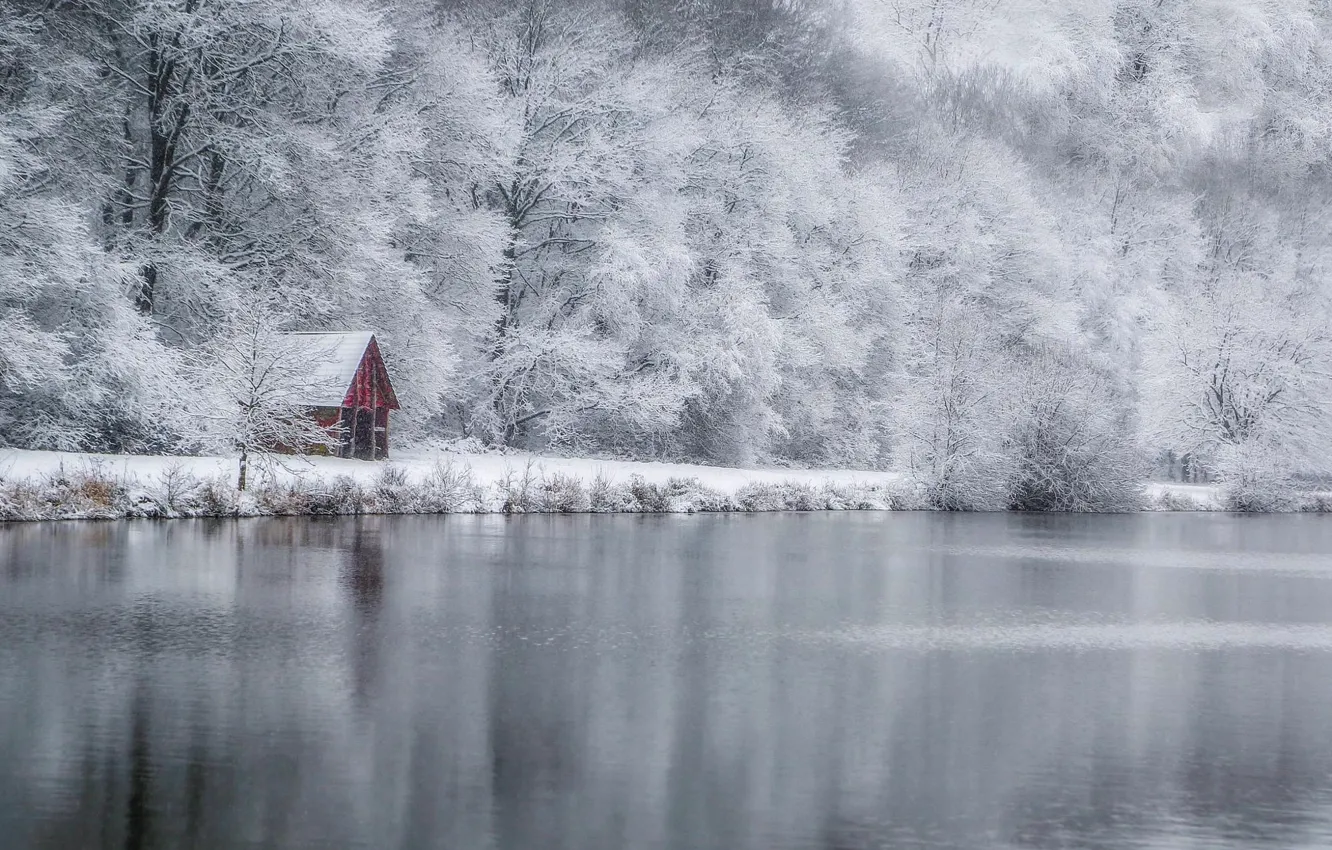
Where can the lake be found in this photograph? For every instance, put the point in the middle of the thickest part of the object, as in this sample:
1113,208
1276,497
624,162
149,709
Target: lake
774,682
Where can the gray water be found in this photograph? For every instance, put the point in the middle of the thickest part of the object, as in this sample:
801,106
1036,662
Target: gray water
827,681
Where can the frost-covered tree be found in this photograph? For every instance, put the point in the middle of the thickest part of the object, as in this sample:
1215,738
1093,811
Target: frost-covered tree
579,253
440,107
948,415
789,293
986,279
79,369
729,230
1071,445
215,119
1241,367
256,386
249,146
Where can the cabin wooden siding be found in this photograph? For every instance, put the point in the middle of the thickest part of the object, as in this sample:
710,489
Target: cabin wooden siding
364,413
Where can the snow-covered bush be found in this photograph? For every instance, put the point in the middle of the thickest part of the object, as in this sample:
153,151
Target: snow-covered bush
175,490
692,495
649,496
218,497
1170,500
340,496
1071,440
1316,503
518,490
1255,478
391,492
344,495
775,497
560,493
609,497
449,488
22,500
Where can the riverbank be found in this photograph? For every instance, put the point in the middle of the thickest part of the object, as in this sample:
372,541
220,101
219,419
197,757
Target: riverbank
57,485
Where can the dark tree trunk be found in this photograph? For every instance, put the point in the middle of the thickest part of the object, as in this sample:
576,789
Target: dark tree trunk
167,119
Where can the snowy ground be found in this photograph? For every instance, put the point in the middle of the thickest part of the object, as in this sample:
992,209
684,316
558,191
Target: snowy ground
487,468
52,485
1203,497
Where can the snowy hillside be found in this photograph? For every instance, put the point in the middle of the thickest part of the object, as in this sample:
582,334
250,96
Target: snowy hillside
1021,255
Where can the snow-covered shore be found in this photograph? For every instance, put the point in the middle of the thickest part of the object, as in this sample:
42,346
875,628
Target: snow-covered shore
486,467
36,485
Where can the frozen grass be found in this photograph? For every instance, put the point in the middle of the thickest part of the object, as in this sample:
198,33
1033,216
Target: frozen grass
1200,497
97,488
1183,497
42,486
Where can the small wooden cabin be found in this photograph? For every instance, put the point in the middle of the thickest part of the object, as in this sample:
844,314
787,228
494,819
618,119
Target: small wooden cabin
348,386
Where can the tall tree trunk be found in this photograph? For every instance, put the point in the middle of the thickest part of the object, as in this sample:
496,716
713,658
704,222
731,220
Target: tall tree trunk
166,123
504,325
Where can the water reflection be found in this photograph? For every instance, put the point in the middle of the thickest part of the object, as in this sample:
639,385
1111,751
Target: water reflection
691,682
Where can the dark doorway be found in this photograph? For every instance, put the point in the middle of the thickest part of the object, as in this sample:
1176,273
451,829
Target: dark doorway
363,435
358,434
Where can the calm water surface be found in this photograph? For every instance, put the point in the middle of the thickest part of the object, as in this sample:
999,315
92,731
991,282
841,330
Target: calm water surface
598,683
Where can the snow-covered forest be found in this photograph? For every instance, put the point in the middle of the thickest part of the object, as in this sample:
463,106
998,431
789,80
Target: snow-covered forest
1027,252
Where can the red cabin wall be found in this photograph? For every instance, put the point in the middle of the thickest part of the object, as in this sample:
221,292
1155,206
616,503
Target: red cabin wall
326,417
370,390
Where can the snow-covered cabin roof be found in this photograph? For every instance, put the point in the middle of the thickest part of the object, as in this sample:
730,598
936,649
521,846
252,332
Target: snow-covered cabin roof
332,358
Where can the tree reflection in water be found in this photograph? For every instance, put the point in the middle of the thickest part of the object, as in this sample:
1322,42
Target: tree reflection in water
664,682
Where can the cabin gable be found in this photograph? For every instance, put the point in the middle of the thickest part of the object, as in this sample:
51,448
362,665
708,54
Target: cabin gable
370,386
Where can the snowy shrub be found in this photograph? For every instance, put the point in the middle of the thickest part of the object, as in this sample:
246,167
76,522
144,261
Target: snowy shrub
518,491
837,497
1170,500
691,495
761,497
174,488
21,500
966,482
447,488
391,476
785,496
1071,442
93,487
898,496
560,493
87,492
676,495
1254,477
218,497
598,492
282,500
340,496
650,498
1316,503
803,497
391,492
343,496
605,496
1258,495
